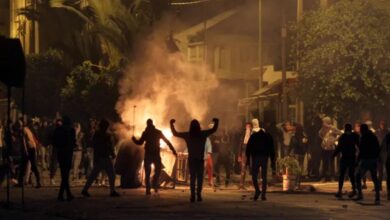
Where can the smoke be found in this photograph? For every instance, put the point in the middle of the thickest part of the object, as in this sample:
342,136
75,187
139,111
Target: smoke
163,85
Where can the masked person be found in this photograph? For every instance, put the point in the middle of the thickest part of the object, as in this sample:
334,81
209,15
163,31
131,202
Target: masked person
347,145
328,135
195,140
152,137
104,153
368,157
260,148
380,134
242,154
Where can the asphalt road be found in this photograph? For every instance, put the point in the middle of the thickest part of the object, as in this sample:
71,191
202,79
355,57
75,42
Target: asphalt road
226,203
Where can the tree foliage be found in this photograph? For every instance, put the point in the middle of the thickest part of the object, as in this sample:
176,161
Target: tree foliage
90,91
44,79
342,55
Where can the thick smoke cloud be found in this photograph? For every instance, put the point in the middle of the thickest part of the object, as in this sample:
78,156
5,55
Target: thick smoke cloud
163,85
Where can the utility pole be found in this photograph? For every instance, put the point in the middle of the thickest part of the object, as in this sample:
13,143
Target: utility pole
299,10
260,59
284,74
324,4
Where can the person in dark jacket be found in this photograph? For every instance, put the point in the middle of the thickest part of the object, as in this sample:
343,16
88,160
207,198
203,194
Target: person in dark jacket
103,150
386,144
64,141
195,140
368,157
347,145
260,147
152,137
298,148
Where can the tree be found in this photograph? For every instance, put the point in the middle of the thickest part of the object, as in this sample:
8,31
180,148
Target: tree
342,56
44,79
90,91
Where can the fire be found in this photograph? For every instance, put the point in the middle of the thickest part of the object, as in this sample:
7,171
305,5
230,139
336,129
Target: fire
168,134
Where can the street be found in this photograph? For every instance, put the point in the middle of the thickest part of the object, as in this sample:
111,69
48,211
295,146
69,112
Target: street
225,203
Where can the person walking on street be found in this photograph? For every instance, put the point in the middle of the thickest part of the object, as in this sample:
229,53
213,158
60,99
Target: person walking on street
152,137
328,135
380,134
386,144
103,155
78,151
64,141
368,157
195,140
347,145
242,155
29,154
260,148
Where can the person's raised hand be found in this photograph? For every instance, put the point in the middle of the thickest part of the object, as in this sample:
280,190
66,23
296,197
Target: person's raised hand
215,119
172,121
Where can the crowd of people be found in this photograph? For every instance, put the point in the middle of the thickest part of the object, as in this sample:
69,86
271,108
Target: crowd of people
88,154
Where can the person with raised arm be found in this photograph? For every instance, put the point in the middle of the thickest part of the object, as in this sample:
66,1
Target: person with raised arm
152,137
195,139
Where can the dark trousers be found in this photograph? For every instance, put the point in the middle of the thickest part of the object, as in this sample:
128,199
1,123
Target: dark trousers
327,164
364,166
224,161
259,162
32,157
53,162
388,175
65,162
99,165
156,161
381,167
347,164
196,175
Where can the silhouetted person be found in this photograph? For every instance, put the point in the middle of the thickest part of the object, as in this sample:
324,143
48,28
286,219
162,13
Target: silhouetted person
242,154
103,150
380,134
195,140
64,141
347,145
368,157
259,149
224,158
386,144
152,137
29,154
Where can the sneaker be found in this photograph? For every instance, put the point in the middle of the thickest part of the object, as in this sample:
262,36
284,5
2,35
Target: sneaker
352,194
38,186
85,193
263,198
199,197
338,195
377,200
192,198
359,198
256,197
69,198
114,194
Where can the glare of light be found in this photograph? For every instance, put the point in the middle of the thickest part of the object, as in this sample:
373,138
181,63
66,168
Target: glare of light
168,134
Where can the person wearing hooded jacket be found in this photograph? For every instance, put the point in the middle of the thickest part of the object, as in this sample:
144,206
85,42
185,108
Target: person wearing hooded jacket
104,153
367,159
259,149
152,137
195,139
